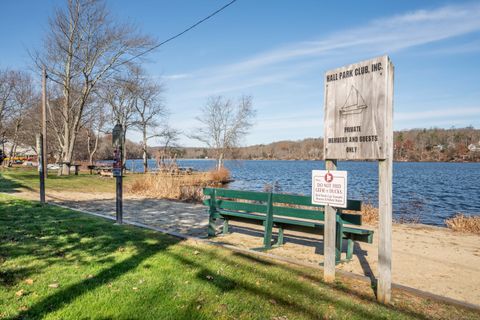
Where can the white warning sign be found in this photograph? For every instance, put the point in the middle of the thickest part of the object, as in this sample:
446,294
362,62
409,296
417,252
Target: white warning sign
329,188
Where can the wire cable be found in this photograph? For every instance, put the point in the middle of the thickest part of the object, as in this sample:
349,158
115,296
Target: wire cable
179,34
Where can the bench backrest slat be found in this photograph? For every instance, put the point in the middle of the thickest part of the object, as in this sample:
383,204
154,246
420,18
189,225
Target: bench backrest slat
298,213
243,206
315,213
237,194
293,199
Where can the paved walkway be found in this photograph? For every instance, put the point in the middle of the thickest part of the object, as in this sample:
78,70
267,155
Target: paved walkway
185,218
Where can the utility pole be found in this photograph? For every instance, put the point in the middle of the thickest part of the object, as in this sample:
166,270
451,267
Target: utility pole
44,121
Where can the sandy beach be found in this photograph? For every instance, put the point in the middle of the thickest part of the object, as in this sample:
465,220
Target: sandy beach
427,258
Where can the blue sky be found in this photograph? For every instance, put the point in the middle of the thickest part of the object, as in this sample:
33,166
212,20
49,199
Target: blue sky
278,52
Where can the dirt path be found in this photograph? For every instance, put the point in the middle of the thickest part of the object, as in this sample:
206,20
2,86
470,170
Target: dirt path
428,258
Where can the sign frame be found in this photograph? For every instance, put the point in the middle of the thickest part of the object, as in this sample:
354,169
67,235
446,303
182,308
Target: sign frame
325,184
357,116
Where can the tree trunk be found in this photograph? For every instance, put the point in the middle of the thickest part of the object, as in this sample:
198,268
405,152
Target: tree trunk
144,147
13,151
220,161
92,151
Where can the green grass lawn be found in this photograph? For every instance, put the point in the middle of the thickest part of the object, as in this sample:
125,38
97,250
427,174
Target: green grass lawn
15,179
60,264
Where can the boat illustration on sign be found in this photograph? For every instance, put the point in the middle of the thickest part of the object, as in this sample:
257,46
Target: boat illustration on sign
354,103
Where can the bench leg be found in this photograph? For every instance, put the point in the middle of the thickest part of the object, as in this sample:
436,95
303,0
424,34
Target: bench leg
338,242
349,249
280,237
268,224
211,227
225,226
267,238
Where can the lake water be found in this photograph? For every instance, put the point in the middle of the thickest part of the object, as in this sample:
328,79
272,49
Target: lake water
428,191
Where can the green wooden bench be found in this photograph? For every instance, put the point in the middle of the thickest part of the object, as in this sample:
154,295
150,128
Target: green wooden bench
285,212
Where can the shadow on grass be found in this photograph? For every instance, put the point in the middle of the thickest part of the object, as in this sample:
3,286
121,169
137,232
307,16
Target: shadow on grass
295,288
52,235
9,185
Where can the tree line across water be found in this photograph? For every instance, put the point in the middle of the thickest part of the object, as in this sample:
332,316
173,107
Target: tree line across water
435,144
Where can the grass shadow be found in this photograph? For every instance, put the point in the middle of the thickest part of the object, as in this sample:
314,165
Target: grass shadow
227,283
9,185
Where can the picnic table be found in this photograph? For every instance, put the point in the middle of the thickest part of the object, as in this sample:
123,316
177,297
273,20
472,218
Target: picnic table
75,166
104,170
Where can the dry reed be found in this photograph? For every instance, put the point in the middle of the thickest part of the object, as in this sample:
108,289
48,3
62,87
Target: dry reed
369,214
463,223
184,187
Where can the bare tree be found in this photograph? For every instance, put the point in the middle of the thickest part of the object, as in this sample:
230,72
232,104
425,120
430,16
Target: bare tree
224,124
168,139
120,95
17,97
7,90
83,47
94,127
24,98
151,111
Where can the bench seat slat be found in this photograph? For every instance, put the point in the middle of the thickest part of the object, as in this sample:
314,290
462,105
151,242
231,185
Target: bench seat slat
241,214
241,206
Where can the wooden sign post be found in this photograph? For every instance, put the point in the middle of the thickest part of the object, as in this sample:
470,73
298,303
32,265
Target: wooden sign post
358,125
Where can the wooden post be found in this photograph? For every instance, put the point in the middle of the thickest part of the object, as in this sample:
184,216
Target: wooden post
44,121
385,198
384,231
329,239
41,167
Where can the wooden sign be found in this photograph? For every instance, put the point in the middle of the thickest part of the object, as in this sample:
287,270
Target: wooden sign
329,188
358,110
117,135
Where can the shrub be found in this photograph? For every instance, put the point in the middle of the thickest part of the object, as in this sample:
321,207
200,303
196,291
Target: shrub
184,187
463,223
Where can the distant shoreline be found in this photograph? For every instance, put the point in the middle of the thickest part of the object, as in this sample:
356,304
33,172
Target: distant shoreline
398,161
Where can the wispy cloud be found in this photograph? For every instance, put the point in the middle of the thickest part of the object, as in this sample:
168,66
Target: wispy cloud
177,76
388,34
454,112
304,61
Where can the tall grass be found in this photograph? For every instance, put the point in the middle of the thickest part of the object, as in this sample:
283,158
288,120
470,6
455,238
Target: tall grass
369,214
185,187
463,223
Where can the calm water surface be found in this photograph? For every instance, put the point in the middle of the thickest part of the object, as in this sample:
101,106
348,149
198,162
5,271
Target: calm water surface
428,191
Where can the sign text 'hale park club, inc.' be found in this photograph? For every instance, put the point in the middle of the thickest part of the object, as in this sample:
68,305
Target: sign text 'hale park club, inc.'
357,119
